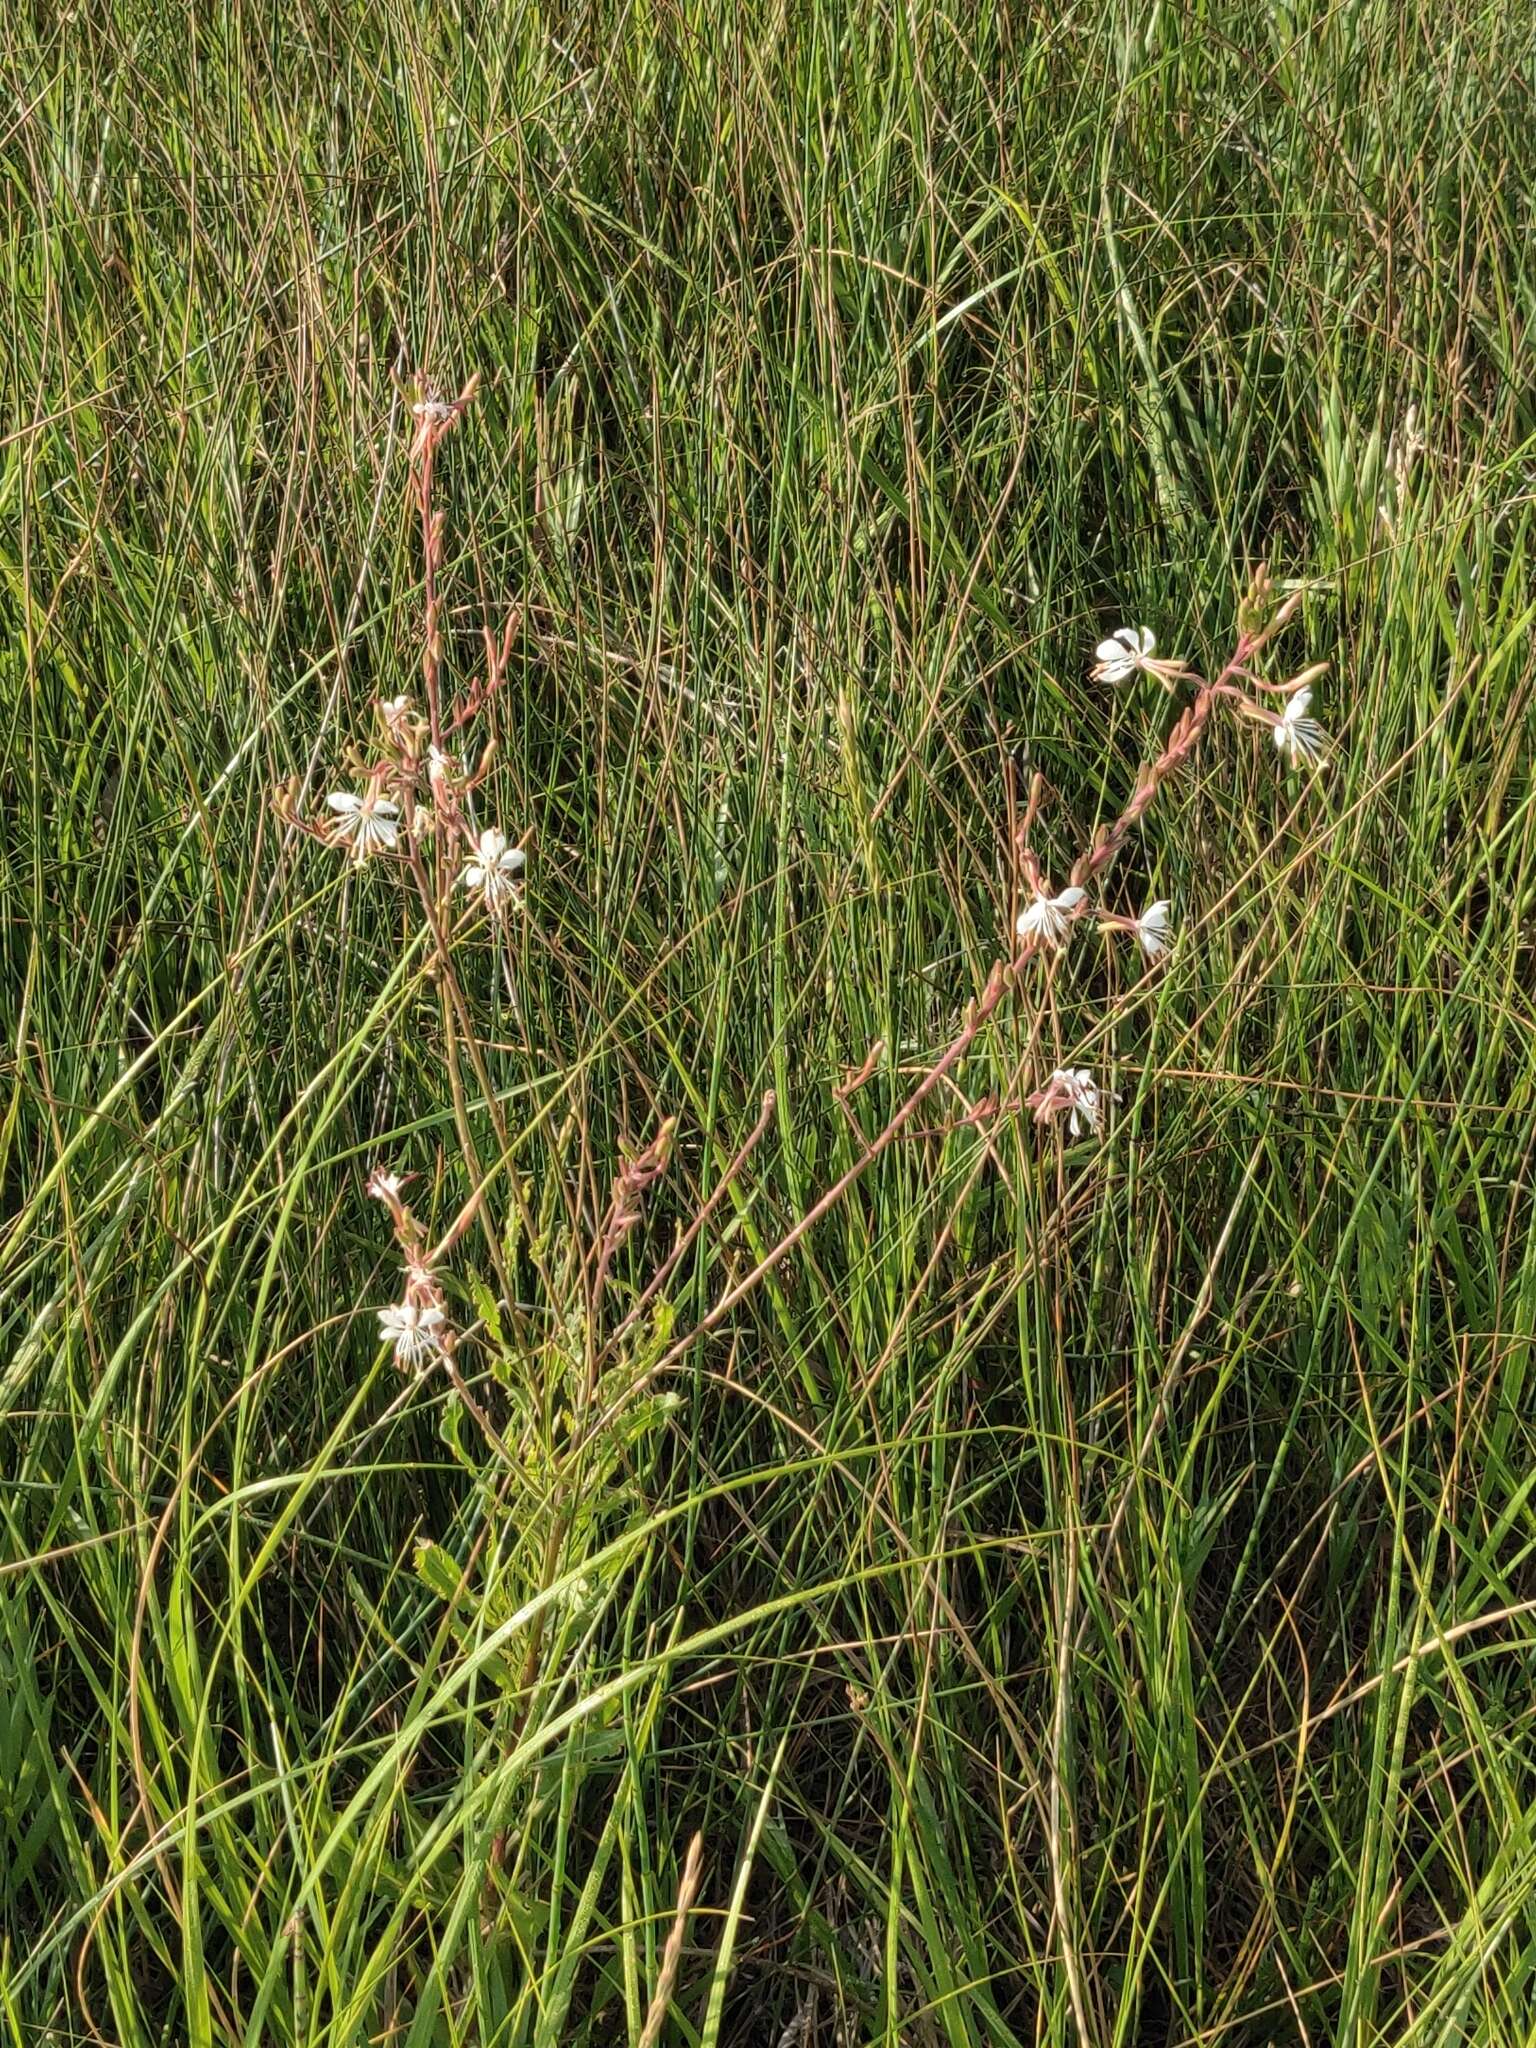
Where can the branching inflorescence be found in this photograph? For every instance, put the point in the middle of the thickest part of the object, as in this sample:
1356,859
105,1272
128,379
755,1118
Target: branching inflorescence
416,808
1046,922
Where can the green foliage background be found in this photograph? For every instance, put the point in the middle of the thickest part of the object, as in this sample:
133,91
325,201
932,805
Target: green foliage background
1086,1594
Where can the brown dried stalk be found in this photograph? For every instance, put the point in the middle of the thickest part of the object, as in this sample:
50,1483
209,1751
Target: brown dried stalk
672,1954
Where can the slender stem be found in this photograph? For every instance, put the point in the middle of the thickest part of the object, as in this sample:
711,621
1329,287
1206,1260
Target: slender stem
999,982
432,648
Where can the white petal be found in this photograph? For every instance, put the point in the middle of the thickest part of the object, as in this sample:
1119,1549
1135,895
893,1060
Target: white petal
1069,899
1154,930
1109,651
1041,919
1297,736
369,830
344,802
1146,640
473,876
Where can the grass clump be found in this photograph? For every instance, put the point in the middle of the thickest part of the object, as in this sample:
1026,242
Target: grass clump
1080,1589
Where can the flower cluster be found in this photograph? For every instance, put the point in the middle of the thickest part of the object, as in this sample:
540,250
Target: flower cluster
1045,923
372,823
415,805
416,1329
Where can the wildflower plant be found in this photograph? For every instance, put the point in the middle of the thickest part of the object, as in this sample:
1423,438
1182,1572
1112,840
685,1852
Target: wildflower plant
418,808
1047,1499
416,805
1045,923
582,1385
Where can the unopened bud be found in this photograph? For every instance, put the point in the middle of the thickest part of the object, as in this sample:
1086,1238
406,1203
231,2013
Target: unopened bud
1308,676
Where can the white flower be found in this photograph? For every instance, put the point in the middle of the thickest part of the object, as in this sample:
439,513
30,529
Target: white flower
1154,930
444,773
396,714
1049,918
416,1334
385,1186
1072,1092
433,415
1079,1095
495,868
1127,649
367,823
1300,738
1082,1093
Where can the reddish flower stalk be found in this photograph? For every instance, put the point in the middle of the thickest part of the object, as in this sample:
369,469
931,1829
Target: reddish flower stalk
635,1178
1177,751
435,416
418,1328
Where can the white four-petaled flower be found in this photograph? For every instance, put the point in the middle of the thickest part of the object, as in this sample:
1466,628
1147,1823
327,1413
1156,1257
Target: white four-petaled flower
365,823
1127,649
1154,930
1079,1096
495,868
1300,738
415,1334
1049,918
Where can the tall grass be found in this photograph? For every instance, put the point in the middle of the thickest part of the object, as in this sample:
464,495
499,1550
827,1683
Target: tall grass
1085,1593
